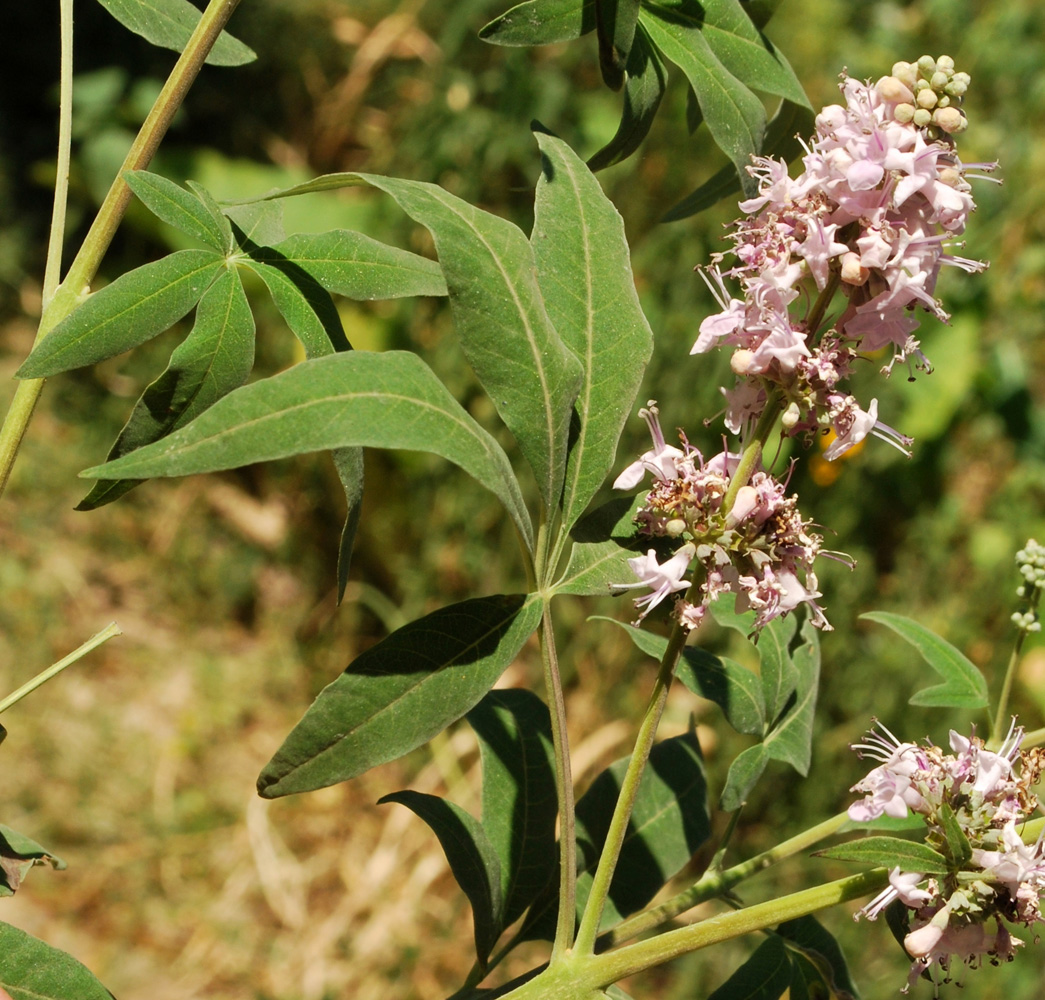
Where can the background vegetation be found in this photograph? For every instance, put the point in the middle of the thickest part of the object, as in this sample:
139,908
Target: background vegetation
139,765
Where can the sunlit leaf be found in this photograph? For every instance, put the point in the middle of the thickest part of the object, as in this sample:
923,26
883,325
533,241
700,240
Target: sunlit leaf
33,970
472,859
963,686
214,359
177,207
585,277
541,22
351,264
382,400
132,310
169,23
733,113
888,852
402,692
519,800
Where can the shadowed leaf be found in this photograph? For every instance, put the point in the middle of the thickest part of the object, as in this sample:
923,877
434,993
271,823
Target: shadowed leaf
766,975
541,22
17,855
402,692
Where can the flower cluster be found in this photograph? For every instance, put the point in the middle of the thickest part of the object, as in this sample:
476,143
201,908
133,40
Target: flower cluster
972,801
881,195
1031,562
759,548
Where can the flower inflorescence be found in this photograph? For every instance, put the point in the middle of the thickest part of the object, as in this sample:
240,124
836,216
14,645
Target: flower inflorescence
972,801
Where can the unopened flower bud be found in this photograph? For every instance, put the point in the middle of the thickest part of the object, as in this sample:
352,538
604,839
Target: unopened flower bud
944,102
922,117
674,527
791,415
939,80
741,361
853,272
905,73
926,98
904,113
926,65
950,176
945,64
950,120
893,90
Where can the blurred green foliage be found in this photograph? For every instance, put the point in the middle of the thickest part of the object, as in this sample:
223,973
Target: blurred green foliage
407,89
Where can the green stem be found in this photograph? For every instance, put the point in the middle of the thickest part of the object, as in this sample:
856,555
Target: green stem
998,726
715,883
579,977
752,453
44,676
85,265
53,267
563,790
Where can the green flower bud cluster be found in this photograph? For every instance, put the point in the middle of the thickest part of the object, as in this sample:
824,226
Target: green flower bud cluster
928,94
1031,562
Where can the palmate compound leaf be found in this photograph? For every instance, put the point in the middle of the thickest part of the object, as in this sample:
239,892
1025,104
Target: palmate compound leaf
585,278
33,970
963,685
17,855
669,823
381,400
541,22
516,353
472,859
169,23
214,359
734,688
402,692
519,801
133,309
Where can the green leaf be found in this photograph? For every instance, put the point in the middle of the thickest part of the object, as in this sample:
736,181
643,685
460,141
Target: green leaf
510,342
822,955
734,114
169,23
541,22
746,53
585,277
313,318
402,692
32,970
177,207
733,688
766,975
643,90
746,769
669,823
783,133
958,846
603,541
17,855
791,739
215,358
133,309
615,22
227,240
380,400
259,223
519,800
963,687
472,859
351,264
778,673
889,852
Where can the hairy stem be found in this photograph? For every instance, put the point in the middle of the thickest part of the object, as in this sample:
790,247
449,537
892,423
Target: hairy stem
715,883
85,265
